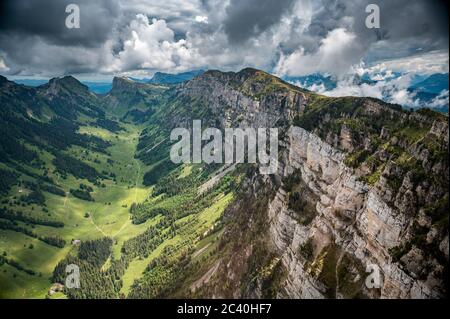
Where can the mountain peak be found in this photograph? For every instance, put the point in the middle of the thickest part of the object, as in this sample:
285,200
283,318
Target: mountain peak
167,78
244,75
253,82
67,82
120,79
251,71
3,79
121,83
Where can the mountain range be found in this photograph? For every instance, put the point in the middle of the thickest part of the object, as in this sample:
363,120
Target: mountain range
425,90
87,180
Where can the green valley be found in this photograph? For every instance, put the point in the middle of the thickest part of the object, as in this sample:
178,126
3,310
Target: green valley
87,180
85,193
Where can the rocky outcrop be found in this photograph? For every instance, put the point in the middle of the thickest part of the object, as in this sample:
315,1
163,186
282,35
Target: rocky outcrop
332,225
352,216
255,107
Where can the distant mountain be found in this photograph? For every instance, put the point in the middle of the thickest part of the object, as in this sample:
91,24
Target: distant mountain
357,182
425,90
430,89
144,80
434,84
132,100
313,80
167,78
105,87
322,82
99,87
96,87
31,82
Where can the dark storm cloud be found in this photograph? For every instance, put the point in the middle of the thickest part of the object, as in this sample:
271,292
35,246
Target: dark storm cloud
34,39
407,27
246,19
46,19
409,21
418,22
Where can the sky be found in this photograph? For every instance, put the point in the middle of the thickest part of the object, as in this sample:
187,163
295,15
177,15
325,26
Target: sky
285,37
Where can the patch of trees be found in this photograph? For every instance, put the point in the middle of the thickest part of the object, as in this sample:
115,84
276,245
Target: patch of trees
110,125
39,178
296,202
7,180
67,164
95,251
45,187
67,135
184,204
139,209
145,243
138,116
34,197
86,188
305,210
292,180
82,194
11,215
15,264
158,171
54,136
53,241
94,283
172,185
159,150
12,149
13,226
162,277
140,247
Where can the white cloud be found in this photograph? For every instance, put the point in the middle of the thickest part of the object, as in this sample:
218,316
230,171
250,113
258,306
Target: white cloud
177,35
426,63
338,51
390,89
152,46
169,9
441,100
319,88
201,19
3,67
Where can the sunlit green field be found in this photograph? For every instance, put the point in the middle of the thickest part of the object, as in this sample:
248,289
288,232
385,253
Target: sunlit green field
107,216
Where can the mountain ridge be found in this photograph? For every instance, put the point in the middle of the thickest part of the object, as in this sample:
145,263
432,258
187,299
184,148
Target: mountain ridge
359,182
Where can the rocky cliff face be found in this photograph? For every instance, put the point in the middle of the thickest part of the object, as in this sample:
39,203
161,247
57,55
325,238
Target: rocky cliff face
246,98
352,217
362,189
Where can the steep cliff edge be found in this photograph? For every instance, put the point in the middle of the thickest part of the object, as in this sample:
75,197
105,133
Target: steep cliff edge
353,227
362,185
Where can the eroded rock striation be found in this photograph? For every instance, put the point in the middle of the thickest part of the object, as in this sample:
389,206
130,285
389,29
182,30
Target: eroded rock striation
362,188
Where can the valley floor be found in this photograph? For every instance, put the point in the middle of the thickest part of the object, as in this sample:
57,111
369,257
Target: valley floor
107,216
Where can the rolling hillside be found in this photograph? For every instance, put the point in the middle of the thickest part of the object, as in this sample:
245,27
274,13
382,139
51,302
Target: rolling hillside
87,180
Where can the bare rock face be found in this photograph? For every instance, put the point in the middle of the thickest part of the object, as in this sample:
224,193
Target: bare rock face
242,99
440,129
356,210
354,218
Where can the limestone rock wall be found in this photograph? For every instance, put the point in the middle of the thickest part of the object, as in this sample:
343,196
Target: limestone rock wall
350,214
